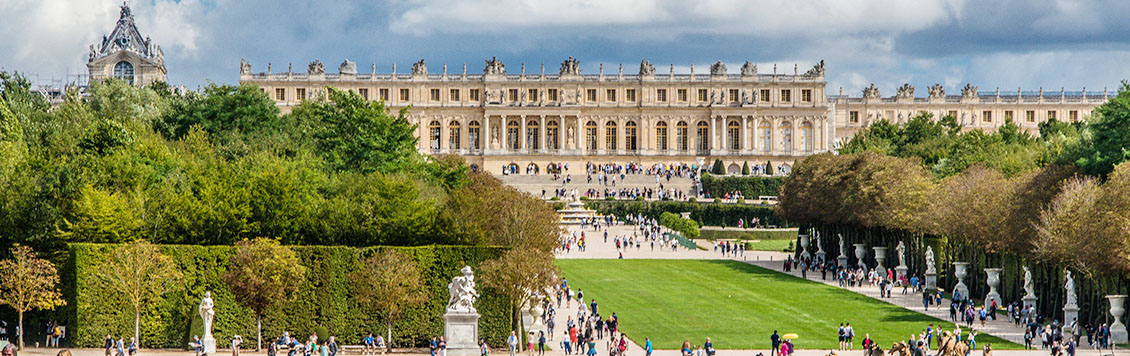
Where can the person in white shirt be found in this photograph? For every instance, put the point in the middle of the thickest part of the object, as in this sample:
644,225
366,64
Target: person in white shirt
513,342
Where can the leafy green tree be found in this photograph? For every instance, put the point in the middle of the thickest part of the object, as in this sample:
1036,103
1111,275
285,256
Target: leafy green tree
263,274
745,168
519,274
221,109
360,136
141,274
28,282
388,283
1108,140
718,167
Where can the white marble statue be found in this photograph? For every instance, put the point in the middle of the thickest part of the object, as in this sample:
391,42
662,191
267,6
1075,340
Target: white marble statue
207,312
819,246
1069,285
930,260
463,294
841,236
901,249
1029,291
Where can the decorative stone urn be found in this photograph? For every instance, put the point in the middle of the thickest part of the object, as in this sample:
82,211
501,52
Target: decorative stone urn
804,247
537,324
860,253
993,281
960,270
880,257
1117,329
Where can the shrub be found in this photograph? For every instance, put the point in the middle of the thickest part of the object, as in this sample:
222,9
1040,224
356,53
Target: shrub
751,187
706,214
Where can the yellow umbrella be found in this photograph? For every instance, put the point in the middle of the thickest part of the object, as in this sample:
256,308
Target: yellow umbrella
789,336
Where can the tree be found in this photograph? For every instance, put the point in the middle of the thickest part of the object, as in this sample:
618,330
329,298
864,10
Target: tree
141,274
223,108
357,135
518,274
769,168
389,283
262,274
745,168
1109,141
28,283
718,167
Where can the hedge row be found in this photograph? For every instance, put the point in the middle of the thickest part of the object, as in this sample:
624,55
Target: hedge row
706,214
750,186
324,300
686,227
785,234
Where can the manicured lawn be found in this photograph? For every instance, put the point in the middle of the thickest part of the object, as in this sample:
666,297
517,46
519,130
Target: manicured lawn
736,304
712,233
768,245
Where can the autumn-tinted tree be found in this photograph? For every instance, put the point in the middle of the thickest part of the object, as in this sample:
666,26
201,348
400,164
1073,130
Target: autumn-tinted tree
28,282
518,274
263,273
388,283
140,274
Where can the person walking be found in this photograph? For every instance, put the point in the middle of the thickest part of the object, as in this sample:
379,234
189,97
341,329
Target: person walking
774,340
512,341
483,348
332,346
647,345
541,343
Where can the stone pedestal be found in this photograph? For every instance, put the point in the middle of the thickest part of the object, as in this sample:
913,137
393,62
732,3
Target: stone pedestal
993,281
1070,313
804,247
880,257
537,323
820,256
900,272
931,281
960,271
462,333
860,253
209,345
1029,301
842,260
1118,333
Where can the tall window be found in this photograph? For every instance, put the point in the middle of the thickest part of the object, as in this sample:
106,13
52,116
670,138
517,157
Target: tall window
630,95
853,116
473,132
453,95
590,95
364,92
532,95
610,95
806,137
300,93
403,94
987,116
383,94
1051,114
1030,115
733,96
433,135
473,94
124,71
786,95
280,94
765,136
453,133
787,137
661,95
702,96
682,95
552,93
590,135
734,135
513,95
512,133
610,135
533,132
434,94
764,95
806,95
630,133
681,134
552,137
661,136
703,137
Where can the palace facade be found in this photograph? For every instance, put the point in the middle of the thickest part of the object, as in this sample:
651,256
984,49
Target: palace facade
536,120
124,54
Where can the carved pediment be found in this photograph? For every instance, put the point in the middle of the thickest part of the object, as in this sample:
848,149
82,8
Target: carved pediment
494,66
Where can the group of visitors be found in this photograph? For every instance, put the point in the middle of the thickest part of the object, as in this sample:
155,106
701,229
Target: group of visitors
119,347
313,347
730,249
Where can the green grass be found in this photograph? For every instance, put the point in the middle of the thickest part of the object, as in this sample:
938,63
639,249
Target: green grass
733,234
768,245
736,304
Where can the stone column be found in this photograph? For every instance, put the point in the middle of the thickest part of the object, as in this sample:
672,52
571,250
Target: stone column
804,246
860,253
484,136
1118,332
959,271
745,134
880,257
994,279
503,144
541,135
578,143
522,144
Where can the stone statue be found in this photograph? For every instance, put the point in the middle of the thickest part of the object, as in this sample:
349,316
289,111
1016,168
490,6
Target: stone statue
901,250
646,68
871,92
570,135
816,71
842,250
571,66
207,312
969,91
316,67
718,68
906,91
930,269
937,91
463,294
420,68
1069,285
745,97
749,69
244,67
494,66
347,67
1029,291
93,53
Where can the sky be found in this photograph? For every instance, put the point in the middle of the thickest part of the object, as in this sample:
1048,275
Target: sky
1006,44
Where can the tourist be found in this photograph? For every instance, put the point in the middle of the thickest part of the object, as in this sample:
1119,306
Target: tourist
132,347
530,343
332,346
566,345
647,345
381,344
541,343
442,346
433,345
842,336
119,347
849,333
368,345
108,344
235,342
512,341
623,343
686,351
867,343
972,340
483,349
775,340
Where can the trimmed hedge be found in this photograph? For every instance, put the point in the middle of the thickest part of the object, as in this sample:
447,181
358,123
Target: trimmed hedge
323,301
732,234
751,187
686,227
705,213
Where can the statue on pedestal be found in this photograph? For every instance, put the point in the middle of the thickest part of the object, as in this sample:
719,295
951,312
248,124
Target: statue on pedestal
461,321
1029,291
930,260
1069,285
901,249
463,294
207,313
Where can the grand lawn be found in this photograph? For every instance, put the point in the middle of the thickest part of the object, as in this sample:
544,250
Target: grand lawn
737,305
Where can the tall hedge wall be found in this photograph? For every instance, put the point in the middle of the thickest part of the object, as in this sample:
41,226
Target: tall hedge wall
751,187
705,213
324,299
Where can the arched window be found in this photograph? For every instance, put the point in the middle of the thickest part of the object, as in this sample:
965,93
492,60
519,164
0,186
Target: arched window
124,71
734,134
590,135
512,141
610,135
533,132
681,136
433,135
453,134
806,137
630,134
552,135
787,137
661,136
765,136
703,137
474,130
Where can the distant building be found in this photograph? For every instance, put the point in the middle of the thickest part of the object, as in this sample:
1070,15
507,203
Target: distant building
126,55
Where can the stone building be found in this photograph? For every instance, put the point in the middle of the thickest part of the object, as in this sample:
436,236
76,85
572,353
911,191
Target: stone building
533,120
126,55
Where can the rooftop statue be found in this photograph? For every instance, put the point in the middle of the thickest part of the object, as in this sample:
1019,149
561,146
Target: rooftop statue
906,91
937,91
646,68
749,69
494,66
316,67
871,92
718,68
420,68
